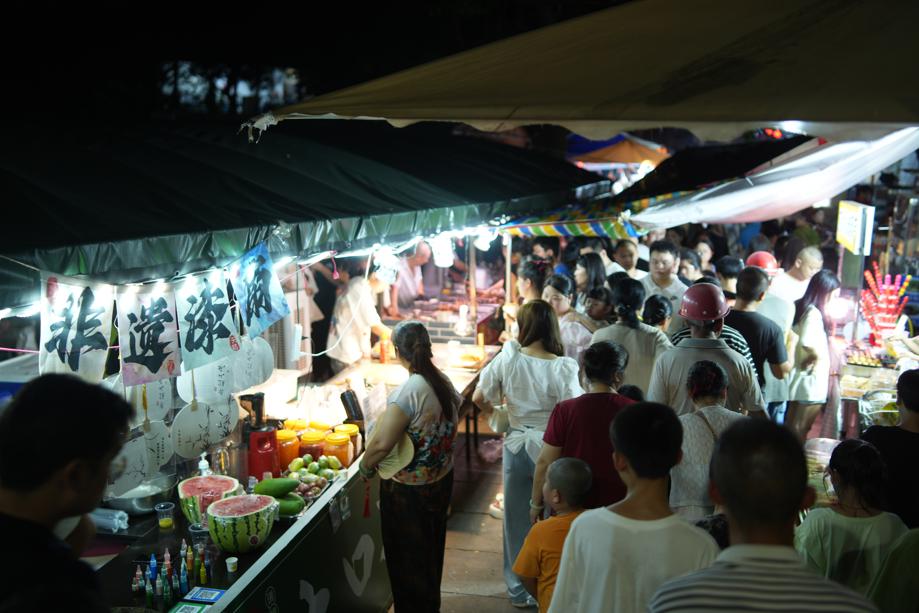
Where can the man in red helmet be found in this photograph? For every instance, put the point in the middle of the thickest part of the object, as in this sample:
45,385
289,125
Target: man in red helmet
703,307
777,309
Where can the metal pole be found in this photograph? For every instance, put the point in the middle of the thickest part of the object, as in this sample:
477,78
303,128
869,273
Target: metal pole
858,298
473,308
508,288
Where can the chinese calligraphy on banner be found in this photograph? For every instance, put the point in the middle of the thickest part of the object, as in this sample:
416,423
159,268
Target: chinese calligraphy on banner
208,332
258,291
76,323
148,334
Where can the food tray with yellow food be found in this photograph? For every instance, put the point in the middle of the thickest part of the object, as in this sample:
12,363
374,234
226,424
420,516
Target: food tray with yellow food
854,386
471,358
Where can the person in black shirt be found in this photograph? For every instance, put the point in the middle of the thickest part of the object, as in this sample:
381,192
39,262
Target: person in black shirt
899,446
728,270
765,338
40,487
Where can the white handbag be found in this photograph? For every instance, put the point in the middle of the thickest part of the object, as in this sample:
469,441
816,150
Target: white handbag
498,420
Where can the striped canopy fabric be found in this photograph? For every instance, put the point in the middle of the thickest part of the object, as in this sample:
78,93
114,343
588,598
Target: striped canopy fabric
597,219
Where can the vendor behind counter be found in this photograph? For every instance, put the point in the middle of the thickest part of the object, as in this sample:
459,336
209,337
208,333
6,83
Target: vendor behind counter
355,317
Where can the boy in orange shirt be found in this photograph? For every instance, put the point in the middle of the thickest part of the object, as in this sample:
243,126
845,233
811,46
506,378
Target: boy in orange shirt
568,482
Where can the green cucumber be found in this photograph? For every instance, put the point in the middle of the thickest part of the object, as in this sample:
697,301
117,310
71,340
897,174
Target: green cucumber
291,504
277,488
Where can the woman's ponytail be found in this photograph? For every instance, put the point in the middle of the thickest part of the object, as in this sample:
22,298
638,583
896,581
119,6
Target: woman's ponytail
412,341
628,296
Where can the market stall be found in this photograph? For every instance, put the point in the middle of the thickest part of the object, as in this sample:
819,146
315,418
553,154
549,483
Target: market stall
210,324
229,412
298,561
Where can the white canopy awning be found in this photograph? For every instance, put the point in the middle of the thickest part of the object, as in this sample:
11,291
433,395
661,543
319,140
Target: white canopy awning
794,182
833,68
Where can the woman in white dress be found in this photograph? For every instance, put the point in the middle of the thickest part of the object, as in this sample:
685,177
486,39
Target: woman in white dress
810,378
530,375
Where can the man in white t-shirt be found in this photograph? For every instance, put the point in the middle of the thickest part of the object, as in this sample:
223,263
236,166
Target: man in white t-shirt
616,557
791,284
409,282
354,318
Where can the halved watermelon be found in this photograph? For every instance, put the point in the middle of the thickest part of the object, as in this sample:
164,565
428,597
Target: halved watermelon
241,523
196,493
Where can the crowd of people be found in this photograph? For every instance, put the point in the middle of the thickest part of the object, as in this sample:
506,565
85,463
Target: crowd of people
653,397
654,455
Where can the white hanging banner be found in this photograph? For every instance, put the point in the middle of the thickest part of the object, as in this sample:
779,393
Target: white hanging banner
212,382
148,334
207,329
258,291
76,324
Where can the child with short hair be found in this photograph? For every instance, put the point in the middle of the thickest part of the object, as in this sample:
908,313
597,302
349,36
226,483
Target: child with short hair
568,481
615,558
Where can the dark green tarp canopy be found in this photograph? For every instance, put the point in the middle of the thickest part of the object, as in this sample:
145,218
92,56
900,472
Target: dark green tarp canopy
159,200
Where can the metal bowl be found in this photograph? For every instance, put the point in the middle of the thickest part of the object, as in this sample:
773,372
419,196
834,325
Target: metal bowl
142,499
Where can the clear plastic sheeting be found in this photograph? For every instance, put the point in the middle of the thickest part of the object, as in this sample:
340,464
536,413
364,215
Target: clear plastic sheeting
794,182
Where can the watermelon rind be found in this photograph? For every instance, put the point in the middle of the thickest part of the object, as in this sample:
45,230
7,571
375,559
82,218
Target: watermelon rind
245,532
191,505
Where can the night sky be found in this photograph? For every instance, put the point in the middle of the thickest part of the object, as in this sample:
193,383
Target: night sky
107,66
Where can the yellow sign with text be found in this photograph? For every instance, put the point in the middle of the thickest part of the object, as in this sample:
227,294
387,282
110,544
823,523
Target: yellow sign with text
854,226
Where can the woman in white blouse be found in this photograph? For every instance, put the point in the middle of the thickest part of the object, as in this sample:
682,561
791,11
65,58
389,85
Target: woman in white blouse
531,375
575,336
707,384
810,378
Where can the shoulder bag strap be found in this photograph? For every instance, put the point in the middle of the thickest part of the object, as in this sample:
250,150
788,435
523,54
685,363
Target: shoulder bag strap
707,423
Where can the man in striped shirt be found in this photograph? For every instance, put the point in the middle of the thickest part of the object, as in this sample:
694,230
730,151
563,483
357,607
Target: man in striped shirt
759,474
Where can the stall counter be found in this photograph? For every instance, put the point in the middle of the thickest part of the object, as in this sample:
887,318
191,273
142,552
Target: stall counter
328,559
